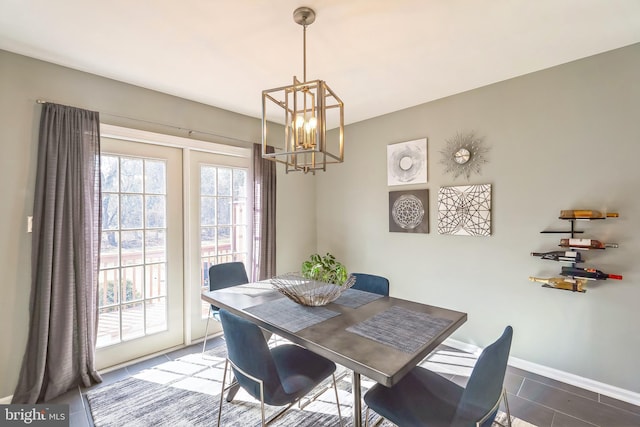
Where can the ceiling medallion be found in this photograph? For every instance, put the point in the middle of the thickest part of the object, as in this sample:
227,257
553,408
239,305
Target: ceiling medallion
464,154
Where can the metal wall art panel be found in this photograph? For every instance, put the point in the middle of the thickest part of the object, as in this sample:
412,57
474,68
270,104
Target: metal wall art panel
465,210
409,211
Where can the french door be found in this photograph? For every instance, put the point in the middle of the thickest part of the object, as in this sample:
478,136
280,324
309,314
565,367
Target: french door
219,224
140,285
171,208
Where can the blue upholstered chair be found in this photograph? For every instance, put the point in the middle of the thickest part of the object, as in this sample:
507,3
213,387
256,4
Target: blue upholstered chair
424,398
278,376
223,276
371,283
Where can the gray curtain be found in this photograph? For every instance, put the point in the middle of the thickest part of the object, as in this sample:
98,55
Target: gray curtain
65,249
264,215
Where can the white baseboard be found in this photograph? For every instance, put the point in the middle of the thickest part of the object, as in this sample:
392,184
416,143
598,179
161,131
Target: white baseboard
565,377
5,400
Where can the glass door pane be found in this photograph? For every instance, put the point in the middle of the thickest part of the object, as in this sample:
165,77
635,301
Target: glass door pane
140,283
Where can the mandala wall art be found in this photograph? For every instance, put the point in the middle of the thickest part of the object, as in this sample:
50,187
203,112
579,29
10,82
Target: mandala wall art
407,162
409,211
464,154
465,210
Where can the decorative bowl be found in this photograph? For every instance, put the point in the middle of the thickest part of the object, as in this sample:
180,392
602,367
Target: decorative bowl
309,292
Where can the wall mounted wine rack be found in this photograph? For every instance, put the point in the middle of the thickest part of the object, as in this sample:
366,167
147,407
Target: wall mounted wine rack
574,278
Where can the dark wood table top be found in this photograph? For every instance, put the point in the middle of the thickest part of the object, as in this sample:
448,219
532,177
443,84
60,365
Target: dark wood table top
329,338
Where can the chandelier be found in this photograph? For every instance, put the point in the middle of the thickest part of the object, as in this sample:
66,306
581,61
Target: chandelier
307,110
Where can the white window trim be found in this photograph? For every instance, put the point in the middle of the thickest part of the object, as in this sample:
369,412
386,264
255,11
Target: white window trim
128,134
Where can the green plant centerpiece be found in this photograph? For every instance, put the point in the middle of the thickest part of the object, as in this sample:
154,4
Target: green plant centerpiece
324,269
321,280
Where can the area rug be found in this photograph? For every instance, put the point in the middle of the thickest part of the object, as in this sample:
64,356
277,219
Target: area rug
185,392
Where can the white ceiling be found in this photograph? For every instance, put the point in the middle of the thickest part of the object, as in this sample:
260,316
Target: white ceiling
377,55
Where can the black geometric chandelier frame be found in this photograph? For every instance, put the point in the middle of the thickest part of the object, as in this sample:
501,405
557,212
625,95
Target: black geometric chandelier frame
308,110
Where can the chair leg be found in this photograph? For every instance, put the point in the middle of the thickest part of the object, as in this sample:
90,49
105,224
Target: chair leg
366,419
206,333
335,388
262,403
282,411
224,377
233,390
503,396
506,407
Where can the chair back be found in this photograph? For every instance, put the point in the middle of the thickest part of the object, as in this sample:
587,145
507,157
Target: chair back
248,350
371,283
485,384
226,275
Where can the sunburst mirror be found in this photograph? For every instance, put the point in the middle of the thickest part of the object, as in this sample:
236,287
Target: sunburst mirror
464,154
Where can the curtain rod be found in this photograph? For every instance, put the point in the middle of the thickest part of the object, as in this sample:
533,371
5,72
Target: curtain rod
190,132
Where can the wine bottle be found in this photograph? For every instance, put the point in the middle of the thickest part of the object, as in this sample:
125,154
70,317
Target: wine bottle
561,256
588,273
575,285
586,244
585,214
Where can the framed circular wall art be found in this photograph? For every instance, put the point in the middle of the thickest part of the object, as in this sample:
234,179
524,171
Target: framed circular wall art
407,162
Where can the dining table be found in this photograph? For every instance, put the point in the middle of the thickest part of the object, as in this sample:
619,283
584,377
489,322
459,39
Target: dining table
380,337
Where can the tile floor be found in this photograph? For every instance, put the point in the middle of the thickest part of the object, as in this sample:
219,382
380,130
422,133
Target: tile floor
533,398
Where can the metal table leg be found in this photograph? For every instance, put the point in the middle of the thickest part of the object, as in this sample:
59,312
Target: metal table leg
357,402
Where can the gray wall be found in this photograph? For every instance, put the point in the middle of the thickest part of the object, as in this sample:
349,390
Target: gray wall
22,81
563,138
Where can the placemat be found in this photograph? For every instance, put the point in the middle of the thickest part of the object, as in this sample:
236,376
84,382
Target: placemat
400,328
290,315
355,298
251,289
